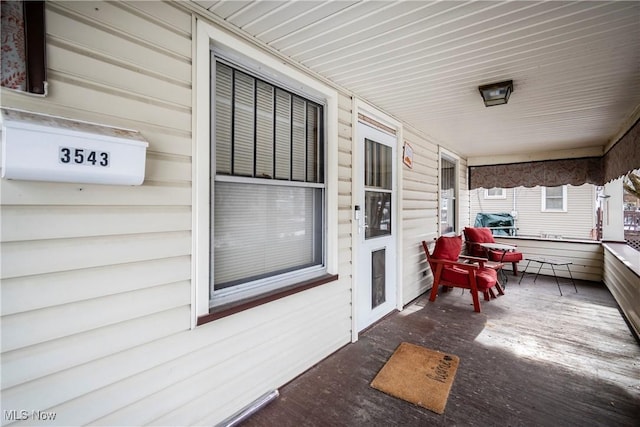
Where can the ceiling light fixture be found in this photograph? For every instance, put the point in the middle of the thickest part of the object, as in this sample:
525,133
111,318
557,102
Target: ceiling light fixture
496,93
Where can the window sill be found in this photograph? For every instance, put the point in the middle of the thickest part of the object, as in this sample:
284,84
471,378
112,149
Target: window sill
238,306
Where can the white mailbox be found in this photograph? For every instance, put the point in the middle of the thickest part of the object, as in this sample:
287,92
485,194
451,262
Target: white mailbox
46,148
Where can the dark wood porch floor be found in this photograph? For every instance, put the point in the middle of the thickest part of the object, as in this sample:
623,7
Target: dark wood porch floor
531,358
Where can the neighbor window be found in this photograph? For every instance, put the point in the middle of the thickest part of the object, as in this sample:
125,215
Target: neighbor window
495,193
554,199
268,186
448,208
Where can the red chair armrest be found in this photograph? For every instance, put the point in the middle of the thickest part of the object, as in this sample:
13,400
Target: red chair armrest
480,261
462,265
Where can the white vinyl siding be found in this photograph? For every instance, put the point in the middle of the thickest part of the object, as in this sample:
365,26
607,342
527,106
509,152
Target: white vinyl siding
480,203
622,277
97,279
585,256
419,189
95,276
578,222
420,219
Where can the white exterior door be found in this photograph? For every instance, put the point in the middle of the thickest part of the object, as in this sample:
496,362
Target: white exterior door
377,228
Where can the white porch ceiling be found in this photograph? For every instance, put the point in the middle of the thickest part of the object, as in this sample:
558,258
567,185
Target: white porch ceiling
575,65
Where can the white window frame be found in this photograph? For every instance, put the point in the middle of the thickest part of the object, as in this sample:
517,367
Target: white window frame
242,52
502,195
451,157
544,201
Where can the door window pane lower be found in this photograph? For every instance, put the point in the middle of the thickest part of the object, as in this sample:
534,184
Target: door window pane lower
378,278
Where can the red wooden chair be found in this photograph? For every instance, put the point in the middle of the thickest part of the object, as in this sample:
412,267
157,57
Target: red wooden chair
450,273
476,235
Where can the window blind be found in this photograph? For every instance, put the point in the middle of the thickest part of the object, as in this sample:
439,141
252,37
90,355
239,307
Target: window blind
264,131
261,230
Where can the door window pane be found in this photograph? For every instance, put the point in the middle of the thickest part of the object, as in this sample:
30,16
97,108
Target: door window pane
377,165
377,214
378,182
378,274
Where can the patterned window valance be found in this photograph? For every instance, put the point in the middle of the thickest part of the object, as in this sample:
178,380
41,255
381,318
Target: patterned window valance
23,46
622,158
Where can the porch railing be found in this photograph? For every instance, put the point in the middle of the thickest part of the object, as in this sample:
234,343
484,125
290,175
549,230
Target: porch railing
632,228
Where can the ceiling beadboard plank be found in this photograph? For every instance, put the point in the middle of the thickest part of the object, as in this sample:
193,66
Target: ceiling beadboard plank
434,22
243,18
206,4
226,8
575,65
470,51
298,18
324,21
545,55
372,21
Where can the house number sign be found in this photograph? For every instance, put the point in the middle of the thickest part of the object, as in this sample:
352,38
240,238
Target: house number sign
80,156
38,147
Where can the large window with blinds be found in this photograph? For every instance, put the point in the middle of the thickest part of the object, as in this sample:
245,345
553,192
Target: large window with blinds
268,186
448,195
